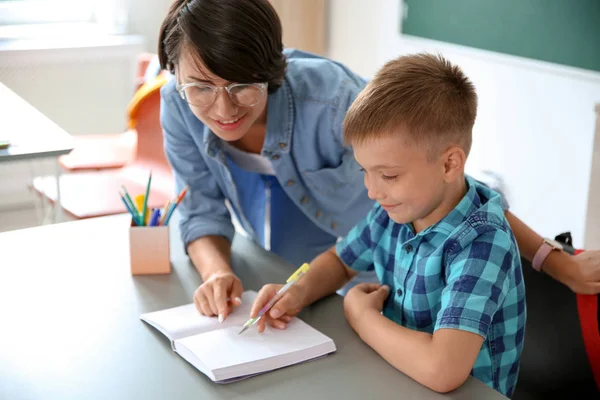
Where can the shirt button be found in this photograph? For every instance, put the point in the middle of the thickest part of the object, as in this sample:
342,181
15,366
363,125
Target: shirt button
333,225
408,248
399,292
318,213
275,157
304,200
282,145
290,182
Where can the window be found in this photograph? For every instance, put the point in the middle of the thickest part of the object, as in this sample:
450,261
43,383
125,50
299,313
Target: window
18,12
53,18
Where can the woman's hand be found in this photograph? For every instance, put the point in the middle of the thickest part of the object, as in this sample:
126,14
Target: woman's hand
218,294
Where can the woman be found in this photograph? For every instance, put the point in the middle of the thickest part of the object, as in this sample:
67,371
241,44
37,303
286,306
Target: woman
260,128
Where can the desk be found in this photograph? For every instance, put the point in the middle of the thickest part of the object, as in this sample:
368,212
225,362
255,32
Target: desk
70,309
31,134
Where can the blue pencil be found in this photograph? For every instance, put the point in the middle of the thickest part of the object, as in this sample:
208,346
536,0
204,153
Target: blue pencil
171,209
175,204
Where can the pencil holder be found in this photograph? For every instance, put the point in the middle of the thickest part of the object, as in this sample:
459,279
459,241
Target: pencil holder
149,250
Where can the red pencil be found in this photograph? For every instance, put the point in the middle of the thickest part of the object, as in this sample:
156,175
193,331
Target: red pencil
181,195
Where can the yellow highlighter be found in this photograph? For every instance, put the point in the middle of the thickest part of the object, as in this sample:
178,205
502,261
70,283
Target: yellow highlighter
295,277
139,205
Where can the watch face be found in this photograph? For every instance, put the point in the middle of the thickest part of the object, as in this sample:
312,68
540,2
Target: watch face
556,245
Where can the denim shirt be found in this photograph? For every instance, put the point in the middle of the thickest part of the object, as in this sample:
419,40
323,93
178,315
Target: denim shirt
304,142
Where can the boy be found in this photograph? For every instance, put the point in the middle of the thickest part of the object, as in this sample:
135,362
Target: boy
452,301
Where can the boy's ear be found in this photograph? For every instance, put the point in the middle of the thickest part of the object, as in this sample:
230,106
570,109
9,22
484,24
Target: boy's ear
454,163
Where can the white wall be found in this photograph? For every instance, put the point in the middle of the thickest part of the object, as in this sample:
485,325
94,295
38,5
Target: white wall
145,18
532,115
592,227
83,90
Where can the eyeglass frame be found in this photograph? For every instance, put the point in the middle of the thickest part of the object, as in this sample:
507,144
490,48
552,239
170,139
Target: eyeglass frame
181,89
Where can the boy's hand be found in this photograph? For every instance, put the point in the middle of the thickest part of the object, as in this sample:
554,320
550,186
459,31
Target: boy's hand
364,298
218,294
288,306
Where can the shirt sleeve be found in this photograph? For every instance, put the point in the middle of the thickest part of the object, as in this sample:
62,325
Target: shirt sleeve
478,280
355,249
203,210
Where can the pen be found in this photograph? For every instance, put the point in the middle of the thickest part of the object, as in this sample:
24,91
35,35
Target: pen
155,217
295,277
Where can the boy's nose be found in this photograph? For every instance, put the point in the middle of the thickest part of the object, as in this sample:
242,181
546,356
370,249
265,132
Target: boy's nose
373,192
378,196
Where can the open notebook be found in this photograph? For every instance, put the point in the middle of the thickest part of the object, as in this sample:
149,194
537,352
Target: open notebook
220,353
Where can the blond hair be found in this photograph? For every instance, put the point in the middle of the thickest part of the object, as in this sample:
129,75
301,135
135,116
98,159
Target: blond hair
425,94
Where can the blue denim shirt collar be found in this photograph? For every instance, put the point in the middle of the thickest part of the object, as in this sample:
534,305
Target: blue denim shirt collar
280,123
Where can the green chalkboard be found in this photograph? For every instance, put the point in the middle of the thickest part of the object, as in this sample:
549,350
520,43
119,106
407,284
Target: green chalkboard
560,31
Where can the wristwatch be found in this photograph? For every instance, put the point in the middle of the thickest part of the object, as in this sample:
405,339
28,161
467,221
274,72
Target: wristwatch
548,246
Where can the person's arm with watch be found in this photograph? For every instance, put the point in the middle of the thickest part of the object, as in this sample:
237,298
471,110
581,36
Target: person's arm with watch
581,273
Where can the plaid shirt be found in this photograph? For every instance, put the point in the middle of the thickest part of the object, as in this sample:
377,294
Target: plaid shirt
463,273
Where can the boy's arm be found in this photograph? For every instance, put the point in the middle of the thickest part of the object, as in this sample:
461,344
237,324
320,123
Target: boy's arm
327,274
580,273
478,277
442,361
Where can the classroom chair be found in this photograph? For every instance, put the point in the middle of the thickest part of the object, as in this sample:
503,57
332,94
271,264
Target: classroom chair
100,151
96,193
561,350
107,150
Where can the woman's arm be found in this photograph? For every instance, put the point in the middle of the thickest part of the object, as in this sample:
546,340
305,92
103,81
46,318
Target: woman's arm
206,227
210,255
580,273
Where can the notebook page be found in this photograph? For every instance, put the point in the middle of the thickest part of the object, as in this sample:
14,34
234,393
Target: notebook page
182,321
228,355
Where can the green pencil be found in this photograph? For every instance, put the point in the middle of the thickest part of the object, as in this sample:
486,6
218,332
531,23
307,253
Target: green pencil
145,210
132,205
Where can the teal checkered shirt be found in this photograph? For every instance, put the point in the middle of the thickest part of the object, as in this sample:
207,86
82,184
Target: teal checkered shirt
463,273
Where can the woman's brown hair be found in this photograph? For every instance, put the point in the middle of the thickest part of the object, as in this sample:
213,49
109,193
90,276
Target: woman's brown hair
237,40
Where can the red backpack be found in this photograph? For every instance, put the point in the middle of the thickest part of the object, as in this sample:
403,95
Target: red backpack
589,319
588,310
